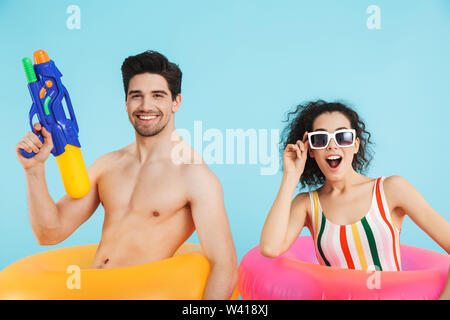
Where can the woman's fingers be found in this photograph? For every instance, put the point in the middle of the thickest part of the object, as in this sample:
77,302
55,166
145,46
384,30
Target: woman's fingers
292,151
305,136
297,150
306,141
307,144
300,145
291,147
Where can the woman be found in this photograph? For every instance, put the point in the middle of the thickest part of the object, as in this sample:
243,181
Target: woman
355,220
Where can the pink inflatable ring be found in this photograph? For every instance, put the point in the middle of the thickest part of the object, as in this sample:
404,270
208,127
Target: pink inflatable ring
297,275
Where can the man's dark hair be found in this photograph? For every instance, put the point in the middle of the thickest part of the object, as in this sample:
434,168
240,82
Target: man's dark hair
152,62
301,120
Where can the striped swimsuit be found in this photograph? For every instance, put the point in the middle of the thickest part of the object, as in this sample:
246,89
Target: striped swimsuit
369,244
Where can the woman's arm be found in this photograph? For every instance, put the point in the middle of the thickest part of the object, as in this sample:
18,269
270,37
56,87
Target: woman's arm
285,220
404,196
287,217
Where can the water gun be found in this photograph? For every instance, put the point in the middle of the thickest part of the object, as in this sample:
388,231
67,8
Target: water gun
47,93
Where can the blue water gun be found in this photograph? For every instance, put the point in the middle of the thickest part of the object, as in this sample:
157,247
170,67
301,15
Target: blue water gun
47,93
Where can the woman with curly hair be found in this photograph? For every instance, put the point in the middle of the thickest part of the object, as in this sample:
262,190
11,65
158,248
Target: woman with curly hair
355,220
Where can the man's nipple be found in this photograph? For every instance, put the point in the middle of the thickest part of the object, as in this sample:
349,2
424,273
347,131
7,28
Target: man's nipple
155,213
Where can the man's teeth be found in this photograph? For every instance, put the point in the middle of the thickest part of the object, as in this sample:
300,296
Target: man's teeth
333,158
146,117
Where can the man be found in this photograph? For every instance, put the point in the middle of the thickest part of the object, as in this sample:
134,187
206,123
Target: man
152,203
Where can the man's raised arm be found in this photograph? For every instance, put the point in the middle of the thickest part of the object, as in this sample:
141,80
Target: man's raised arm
52,222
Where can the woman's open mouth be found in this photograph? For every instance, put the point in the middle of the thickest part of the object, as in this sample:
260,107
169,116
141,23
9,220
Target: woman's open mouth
334,161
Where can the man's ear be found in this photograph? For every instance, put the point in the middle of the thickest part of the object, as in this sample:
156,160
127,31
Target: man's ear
176,103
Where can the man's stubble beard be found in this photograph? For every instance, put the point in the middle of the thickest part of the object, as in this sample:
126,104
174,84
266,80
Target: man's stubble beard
143,131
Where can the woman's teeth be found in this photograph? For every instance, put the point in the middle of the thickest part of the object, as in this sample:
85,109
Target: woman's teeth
334,161
333,157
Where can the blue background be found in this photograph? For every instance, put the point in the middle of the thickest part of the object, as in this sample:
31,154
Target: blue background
245,64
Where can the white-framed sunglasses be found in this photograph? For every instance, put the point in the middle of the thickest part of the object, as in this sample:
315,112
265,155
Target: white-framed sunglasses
343,138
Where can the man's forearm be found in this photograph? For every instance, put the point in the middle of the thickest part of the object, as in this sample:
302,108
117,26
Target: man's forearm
42,210
221,283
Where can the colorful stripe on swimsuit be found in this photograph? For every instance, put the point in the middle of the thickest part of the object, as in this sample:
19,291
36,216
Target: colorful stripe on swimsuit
369,244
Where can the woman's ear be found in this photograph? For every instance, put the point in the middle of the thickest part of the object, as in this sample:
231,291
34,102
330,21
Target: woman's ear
356,145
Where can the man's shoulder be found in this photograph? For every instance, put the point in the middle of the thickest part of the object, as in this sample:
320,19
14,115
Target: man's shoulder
110,156
200,178
198,171
108,159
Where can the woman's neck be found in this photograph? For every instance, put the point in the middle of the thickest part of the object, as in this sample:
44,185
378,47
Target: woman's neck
340,186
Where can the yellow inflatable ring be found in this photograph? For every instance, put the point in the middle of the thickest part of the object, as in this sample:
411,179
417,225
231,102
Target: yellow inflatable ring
67,274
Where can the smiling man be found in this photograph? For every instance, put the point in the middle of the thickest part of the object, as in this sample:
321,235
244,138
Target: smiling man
152,203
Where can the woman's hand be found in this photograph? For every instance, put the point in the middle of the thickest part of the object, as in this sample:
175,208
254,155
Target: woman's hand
295,155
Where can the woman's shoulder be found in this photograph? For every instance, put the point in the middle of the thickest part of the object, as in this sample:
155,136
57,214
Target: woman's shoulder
397,188
302,200
304,196
394,182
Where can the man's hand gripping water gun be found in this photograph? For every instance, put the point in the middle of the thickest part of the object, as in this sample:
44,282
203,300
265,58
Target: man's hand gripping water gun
54,130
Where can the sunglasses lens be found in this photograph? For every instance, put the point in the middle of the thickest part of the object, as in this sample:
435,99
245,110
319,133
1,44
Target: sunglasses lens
344,138
319,140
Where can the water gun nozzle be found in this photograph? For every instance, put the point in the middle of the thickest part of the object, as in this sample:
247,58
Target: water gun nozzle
40,56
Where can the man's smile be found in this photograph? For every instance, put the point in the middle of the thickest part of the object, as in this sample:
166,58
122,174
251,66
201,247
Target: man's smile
146,118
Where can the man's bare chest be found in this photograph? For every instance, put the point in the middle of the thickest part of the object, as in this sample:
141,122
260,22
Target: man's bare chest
152,191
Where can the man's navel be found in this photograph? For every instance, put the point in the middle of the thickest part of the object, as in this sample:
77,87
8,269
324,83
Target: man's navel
102,266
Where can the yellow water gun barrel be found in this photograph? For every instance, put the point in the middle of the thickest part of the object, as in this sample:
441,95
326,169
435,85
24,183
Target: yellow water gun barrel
73,172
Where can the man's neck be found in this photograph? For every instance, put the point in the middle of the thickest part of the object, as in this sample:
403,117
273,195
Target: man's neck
159,146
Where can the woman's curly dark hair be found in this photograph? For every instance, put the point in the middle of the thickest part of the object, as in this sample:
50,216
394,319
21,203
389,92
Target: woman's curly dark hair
301,120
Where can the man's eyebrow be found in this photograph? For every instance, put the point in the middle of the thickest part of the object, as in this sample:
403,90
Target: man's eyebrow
134,91
154,91
322,129
160,91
